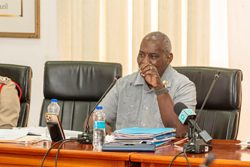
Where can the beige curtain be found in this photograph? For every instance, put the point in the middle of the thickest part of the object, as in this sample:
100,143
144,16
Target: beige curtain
93,30
98,30
198,33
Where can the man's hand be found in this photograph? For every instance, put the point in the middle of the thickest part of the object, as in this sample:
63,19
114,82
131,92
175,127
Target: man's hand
150,73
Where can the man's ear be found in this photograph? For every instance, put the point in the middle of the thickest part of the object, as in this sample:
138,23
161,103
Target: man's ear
170,57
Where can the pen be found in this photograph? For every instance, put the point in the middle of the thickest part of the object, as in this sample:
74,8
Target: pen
180,141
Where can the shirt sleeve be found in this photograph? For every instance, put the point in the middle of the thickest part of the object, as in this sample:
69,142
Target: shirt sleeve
186,93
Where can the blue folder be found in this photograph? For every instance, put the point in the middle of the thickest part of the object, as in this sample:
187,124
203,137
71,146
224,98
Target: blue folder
150,131
128,147
144,133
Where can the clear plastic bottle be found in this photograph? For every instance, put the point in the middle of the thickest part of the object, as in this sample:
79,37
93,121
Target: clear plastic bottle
53,107
98,128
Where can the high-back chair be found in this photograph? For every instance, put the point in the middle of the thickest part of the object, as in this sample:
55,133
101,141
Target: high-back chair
220,116
78,85
22,75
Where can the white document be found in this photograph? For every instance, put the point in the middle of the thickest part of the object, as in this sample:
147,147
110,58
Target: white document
13,134
28,134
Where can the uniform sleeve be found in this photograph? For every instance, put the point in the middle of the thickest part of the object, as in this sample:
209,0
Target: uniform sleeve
9,106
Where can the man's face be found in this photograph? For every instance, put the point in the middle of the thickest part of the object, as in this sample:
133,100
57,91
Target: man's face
151,52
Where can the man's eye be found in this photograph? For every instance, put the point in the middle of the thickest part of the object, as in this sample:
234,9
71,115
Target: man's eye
154,56
140,55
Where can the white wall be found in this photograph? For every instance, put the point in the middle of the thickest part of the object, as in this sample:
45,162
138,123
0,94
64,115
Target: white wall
239,56
34,52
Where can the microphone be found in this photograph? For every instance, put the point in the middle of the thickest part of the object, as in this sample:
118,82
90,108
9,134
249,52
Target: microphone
205,136
86,137
195,144
187,116
184,114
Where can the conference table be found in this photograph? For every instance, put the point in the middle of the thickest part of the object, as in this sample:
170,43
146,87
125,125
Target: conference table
72,154
228,153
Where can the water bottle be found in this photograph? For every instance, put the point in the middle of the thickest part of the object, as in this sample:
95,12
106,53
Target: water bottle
98,128
53,107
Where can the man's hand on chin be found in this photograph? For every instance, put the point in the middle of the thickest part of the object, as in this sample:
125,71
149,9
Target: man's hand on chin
150,73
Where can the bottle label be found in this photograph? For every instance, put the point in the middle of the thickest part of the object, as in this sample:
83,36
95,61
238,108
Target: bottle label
99,125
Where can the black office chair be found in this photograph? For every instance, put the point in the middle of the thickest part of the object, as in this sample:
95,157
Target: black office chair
22,75
77,85
221,114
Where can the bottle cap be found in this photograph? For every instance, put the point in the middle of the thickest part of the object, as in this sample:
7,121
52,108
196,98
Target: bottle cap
54,100
99,107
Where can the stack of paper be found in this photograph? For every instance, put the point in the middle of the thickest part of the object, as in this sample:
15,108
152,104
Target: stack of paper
28,134
156,136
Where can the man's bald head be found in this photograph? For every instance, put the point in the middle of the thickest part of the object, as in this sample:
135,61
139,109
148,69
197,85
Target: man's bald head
161,38
155,50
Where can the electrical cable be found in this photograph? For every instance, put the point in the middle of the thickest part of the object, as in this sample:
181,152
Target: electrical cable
48,151
177,155
59,148
185,155
172,161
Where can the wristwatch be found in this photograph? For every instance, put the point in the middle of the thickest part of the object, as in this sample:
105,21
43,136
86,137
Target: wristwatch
161,90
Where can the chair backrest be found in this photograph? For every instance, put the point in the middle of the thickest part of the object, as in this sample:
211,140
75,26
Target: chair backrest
78,85
22,75
221,114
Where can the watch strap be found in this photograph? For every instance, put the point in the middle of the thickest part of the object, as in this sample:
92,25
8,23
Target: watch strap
162,90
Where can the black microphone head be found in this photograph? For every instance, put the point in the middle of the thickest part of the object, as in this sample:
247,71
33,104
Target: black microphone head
178,107
184,113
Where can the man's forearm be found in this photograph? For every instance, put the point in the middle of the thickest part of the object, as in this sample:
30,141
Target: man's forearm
168,115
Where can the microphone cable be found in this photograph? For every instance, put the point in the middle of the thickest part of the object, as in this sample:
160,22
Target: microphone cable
186,157
177,155
48,151
60,147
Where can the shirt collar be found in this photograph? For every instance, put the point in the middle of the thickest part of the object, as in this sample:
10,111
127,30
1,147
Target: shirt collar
139,80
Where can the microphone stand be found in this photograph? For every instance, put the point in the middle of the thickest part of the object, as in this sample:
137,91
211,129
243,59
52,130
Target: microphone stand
199,139
196,144
87,136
